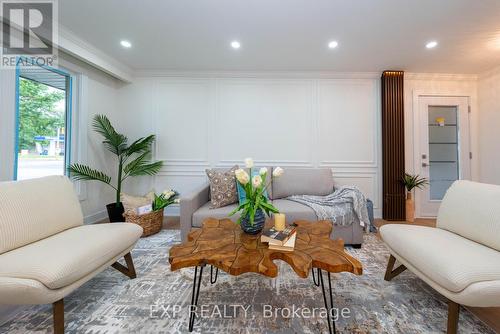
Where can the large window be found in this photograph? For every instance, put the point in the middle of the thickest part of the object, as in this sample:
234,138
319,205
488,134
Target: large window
43,136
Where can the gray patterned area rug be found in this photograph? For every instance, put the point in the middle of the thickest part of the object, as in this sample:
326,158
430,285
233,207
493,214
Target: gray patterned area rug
158,300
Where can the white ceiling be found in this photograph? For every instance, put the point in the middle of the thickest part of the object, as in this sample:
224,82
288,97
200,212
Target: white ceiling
373,35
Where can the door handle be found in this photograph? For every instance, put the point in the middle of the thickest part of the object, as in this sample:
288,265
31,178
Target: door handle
425,164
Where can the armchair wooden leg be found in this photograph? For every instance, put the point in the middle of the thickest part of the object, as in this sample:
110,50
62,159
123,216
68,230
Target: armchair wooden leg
453,315
58,315
129,270
390,273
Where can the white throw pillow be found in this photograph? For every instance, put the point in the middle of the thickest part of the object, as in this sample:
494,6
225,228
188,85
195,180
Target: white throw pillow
131,203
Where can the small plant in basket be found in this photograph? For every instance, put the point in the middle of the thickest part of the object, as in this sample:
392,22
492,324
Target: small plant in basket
165,199
152,220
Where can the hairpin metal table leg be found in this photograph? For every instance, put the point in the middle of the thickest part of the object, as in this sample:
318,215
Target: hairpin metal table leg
314,278
213,280
194,296
329,307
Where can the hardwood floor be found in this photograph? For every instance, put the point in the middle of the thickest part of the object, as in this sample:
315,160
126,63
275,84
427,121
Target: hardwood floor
488,315
171,223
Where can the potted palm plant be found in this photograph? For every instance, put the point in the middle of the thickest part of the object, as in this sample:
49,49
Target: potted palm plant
412,182
132,160
256,203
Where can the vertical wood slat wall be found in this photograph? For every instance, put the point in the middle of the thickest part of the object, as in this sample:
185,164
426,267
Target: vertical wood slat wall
393,148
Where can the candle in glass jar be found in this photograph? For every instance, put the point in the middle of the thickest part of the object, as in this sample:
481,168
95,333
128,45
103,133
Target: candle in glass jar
279,221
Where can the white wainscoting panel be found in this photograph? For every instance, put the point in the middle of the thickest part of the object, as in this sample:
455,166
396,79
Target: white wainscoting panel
203,122
366,182
347,113
270,120
182,121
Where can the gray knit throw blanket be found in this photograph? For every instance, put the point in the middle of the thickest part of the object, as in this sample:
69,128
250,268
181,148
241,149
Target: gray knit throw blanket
344,206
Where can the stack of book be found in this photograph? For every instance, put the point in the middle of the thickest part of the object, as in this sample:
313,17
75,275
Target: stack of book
280,240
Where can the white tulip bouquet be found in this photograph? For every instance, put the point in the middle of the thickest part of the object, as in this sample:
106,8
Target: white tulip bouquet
166,198
255,188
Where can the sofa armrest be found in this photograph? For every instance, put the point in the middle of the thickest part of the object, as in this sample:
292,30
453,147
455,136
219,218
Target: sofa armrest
189,204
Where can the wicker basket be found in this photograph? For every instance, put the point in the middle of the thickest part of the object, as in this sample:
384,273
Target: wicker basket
150,222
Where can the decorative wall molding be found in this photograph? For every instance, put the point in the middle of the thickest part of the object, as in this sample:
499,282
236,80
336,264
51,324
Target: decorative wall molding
85,51
300,75
371,176
256,74
158,128
216,118
274,163
371,104
440,76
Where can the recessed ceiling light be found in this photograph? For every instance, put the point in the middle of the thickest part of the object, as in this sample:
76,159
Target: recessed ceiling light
333,44
235,44
125,44
431,44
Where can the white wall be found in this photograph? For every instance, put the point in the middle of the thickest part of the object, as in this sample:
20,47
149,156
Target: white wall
489,123
218,120
313,120
207,120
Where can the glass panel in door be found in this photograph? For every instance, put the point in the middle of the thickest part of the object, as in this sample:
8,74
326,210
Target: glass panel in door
444,159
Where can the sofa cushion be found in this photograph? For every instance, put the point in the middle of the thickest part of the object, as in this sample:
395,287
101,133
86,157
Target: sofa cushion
64,258
449,260
294,211
132,203
472,210
303,181
220,213
222,187
34,209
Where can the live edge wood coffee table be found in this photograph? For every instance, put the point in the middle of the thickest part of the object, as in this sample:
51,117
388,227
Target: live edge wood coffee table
223,245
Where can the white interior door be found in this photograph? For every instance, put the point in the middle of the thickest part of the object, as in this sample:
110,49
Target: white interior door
444,154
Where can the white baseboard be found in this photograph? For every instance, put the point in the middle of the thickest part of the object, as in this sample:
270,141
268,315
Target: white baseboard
96,217
172,210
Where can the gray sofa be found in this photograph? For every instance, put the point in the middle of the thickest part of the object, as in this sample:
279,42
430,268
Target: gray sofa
195,207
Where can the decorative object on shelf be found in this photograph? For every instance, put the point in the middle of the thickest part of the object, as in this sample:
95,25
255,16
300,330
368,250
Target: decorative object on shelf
279,221
440,121
411,182
140,164
152,221
252,217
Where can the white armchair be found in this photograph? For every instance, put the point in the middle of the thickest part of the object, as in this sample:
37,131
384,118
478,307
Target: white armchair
461,257
45,250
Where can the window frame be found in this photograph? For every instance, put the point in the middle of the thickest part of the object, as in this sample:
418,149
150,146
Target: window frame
68,117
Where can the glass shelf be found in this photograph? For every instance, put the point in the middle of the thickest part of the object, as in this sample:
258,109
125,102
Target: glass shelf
442,162
440,143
